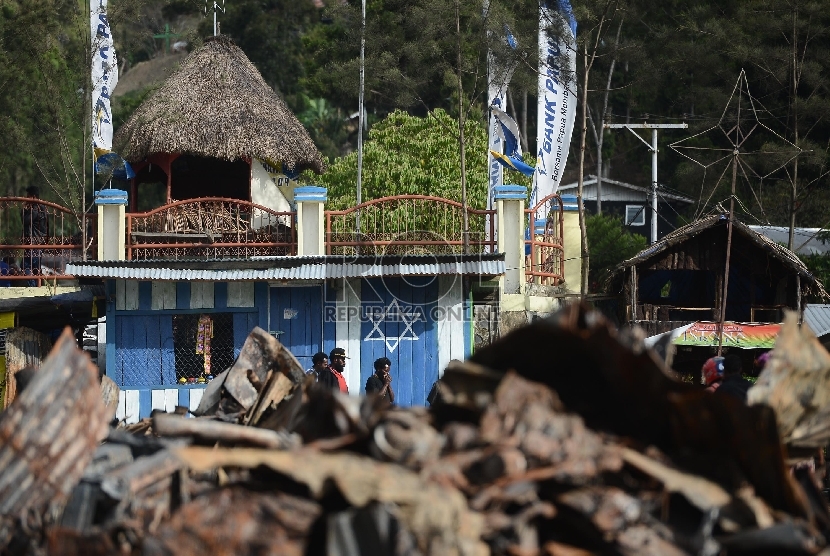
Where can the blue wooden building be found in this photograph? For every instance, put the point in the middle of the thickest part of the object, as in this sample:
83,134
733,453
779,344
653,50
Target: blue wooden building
172,323
238,244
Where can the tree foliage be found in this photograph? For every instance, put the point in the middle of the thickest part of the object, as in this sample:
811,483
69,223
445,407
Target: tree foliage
407,154
611,243
676,63
42,87
819,265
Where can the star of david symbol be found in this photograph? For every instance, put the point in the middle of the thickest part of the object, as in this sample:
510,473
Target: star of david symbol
393,309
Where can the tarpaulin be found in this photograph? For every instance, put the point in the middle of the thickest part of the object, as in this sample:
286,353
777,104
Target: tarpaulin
735,334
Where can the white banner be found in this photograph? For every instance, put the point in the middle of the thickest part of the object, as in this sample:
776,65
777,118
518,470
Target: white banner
498,77
556,107
104,76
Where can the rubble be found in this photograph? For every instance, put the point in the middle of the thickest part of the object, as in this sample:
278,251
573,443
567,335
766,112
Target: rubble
561,439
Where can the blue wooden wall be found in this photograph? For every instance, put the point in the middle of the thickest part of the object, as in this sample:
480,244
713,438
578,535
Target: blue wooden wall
140,339
297,314
398,324
391,317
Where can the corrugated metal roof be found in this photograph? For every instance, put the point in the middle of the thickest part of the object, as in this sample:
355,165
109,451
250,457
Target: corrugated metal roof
292,268
817,317
590,191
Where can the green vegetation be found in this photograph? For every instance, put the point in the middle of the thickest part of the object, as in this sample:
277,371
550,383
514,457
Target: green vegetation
411,155
819,265
610,244
427,59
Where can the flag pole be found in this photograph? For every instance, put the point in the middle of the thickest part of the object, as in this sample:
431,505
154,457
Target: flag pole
360,122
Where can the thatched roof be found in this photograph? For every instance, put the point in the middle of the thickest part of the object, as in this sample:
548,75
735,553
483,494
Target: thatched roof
218,105
787,258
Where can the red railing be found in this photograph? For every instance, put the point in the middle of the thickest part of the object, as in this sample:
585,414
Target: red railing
38,239
409,224
545,260
211,227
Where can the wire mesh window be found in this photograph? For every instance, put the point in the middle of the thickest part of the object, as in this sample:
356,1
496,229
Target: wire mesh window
203,345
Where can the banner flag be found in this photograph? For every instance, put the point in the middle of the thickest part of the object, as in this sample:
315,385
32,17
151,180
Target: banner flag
744,335
556,108
498,77
104,72
508,132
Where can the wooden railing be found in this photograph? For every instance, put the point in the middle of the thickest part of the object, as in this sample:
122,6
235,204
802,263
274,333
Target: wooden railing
409,224
38,239
212,228
545,256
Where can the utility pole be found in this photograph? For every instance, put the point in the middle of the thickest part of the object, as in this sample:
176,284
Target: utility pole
653,149
360,109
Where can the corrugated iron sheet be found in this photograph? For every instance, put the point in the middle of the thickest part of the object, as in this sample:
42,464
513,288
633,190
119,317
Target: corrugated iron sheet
817,317
318,269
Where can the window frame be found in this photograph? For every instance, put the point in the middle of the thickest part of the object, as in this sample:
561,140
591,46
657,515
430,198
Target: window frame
641,221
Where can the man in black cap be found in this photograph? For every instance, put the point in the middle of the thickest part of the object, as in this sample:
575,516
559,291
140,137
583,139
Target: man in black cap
333,377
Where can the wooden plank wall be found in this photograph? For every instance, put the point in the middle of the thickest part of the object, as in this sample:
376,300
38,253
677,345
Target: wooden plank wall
707,251
24,347
141,346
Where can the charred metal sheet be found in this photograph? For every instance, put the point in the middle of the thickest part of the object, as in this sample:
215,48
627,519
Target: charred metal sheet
48,435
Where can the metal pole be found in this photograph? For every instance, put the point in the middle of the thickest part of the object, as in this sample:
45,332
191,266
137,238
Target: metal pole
360,122
653,186
653,149
728,253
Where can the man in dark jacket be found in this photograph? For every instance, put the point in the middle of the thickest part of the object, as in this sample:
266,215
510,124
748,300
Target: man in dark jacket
733,383
320,364
332,377
380,383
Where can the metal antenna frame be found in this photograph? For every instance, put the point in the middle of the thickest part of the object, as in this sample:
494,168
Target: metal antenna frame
734,152
216,8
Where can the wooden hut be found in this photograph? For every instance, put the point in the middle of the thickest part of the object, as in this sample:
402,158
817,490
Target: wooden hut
679,279
216,129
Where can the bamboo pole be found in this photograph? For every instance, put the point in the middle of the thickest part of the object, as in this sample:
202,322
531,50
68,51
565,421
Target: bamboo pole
728,252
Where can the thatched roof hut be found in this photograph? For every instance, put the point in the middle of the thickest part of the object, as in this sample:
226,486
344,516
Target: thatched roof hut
679,279
218,105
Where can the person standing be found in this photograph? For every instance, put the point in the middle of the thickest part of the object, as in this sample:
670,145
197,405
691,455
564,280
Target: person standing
380,382
319,363
713,373
734,384
332,376
5,270
35,230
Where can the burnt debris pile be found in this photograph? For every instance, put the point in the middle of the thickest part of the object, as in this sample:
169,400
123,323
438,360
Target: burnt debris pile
562,438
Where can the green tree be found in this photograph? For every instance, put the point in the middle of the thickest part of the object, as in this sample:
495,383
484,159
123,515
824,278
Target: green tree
611,243
819,265
407,154
271,33
326,125
44,101
422,55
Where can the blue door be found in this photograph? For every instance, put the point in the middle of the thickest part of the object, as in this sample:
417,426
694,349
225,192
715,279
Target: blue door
297,317
397,322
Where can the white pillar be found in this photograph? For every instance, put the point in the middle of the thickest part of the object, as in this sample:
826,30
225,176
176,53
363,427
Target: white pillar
112,224
510,216
571,243
311,223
